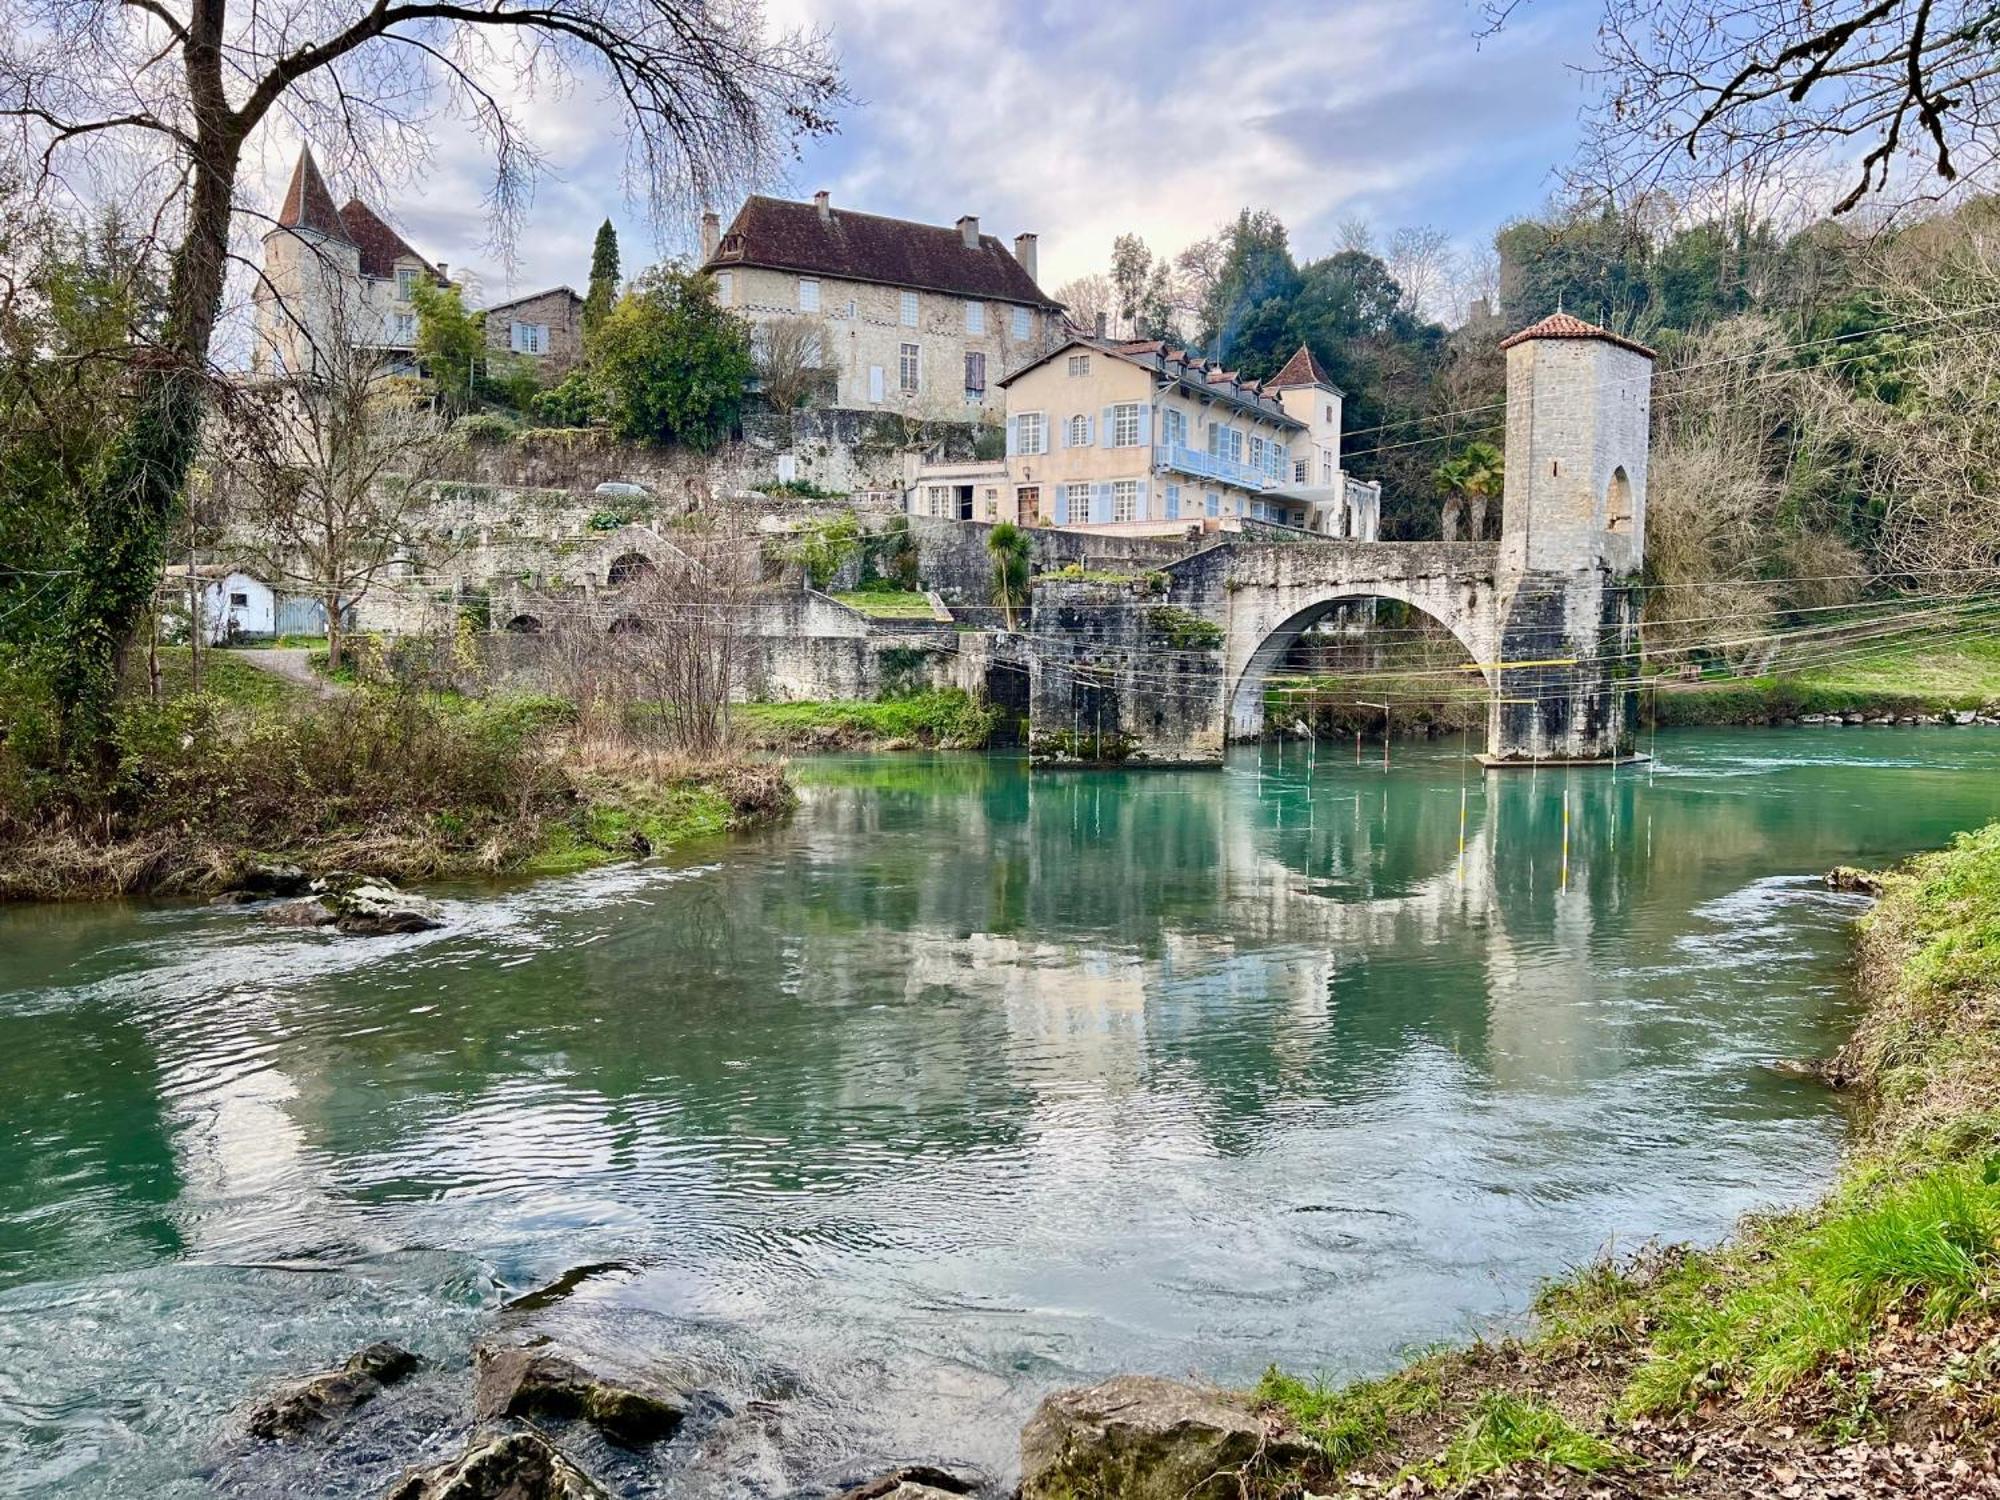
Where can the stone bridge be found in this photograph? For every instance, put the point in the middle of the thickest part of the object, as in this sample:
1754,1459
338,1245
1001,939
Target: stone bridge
1548,615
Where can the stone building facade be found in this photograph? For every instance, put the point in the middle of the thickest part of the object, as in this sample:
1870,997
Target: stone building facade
546,327
1141,437
919,319
334,276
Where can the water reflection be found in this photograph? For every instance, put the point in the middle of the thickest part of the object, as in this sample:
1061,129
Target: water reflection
958,1086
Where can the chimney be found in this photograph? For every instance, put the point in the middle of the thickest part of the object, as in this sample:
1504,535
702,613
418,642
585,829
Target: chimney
711,234
444,272
1024,252
1103,322
968,230
825,208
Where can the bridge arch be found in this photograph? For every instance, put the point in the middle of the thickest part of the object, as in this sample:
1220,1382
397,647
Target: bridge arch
1269,643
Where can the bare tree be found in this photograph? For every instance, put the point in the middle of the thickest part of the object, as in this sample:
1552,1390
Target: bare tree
168,96
1712,89
1420,260
789,354
1355,235
1087,297
337,472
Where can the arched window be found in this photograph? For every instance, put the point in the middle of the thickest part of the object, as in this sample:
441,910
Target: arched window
524,625
1618,503
631,567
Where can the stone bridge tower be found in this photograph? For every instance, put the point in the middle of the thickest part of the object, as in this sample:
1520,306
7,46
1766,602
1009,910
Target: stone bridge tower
1572,542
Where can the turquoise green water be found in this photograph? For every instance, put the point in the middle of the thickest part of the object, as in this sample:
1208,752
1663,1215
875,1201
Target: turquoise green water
956,1088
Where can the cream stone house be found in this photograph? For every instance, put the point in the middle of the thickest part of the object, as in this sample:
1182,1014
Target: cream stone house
1137,437
334,274
918,318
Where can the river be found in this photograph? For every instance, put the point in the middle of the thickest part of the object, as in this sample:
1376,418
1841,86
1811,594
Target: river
955,1088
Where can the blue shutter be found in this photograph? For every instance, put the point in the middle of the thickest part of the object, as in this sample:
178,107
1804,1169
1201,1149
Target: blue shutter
1108,431
1013,437
1062,439
1173,502
1100,503
1139,511
1145,427
1062,505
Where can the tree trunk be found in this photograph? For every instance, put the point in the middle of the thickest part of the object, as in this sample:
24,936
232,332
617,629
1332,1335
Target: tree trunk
127,516
332,606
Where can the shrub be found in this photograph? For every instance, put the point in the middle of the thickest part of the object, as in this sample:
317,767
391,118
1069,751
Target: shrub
486,428
575,402
1183,629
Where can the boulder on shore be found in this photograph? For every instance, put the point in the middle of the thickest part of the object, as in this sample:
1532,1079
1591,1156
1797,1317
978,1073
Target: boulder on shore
304,1406
501,1466
1848,878
532,1383
1141,1437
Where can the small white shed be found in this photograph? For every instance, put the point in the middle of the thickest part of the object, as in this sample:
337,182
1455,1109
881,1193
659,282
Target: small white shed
236,604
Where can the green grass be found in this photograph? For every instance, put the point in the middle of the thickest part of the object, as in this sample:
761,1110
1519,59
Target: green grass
1505,1429
1351,1421
223,677
606,827
947,717
884,604
1929,679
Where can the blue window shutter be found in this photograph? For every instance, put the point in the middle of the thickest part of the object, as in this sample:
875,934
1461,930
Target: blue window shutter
1107,432
1062,505
1139,512
1145,427
1100,502
1173,502
1013,437
1062,435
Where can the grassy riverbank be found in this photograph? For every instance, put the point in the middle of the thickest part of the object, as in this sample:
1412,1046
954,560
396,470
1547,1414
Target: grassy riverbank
1854,1344
943,719
388,782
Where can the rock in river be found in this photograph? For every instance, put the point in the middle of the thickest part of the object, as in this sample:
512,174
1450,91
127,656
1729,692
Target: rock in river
367,908
1144,1438
913,1482
527,1382
305,1406
501,1466
1860,882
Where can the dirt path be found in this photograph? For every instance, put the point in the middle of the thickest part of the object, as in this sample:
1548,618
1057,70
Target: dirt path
291,663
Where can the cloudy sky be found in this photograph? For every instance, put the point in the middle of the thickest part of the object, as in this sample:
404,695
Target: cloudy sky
1081,123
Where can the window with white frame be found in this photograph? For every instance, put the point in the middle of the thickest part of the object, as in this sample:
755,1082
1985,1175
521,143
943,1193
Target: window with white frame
1326,468
1125,500
808,295
810,351
403,328
975,317
406,280
1302,471
1079,503
1173,427
1031,434
1257,454
1213,503
1078,434
1022,326
529,338
909,309
1233,444
908,366
939,496
1079,364
1125,425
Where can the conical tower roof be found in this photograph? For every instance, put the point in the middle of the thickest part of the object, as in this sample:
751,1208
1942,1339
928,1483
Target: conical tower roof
308,204
1562,325
1301,369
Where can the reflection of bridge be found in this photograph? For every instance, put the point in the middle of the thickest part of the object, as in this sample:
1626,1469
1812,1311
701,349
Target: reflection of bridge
1549,614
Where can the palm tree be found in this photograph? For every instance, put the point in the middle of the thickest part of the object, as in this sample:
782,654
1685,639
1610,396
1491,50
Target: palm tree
1471,481
1012,554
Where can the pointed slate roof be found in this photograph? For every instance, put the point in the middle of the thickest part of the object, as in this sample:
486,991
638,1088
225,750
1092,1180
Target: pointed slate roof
308,204
381,247
1300,369
1562,325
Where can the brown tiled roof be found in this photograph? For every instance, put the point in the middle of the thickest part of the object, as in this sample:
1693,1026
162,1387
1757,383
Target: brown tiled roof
1301,369
381,247
308,204
781,235
1562,326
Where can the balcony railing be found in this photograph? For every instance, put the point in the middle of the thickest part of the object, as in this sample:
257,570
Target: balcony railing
1183,460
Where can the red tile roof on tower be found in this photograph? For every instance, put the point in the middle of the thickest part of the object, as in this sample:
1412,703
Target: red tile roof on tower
308,204
777,234
381,247
1562,326
1300,369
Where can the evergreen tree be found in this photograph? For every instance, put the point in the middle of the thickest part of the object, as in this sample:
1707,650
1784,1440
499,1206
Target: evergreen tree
603,291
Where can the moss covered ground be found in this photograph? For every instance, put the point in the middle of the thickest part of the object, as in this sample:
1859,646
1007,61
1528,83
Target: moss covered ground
946,718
